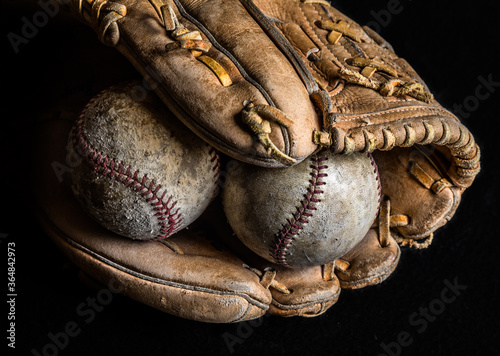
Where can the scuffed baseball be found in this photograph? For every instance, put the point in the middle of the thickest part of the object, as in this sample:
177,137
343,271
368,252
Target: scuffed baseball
305,215
142,174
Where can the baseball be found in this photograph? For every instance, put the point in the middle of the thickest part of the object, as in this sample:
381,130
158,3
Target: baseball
305,215
142,174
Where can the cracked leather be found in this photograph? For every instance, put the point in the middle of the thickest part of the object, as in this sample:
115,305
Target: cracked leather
281,53
285,54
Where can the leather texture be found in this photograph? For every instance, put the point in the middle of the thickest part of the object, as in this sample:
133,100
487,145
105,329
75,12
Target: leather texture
306,215
202,273
143,174
417,189
368,263
336,83
270,83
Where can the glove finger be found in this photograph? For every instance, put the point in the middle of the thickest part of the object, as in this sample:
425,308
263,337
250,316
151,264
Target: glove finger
311,295
238,62
376,100
295,292
368,263
418,190
187,277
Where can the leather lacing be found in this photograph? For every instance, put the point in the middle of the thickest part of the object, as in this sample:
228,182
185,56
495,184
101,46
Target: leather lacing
268,279
102,15
387,221
368,66
439,126
189,40
258,117
384,224
453,135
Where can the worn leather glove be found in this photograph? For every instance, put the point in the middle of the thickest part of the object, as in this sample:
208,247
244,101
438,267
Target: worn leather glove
270,83
201,273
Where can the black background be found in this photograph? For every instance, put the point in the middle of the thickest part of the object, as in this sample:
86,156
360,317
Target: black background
451,44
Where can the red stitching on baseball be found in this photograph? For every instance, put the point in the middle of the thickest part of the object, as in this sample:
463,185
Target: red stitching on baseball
215,159
168,218
379,184
293,226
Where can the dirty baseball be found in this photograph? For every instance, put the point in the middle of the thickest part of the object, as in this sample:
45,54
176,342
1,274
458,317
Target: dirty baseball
142,175
305,215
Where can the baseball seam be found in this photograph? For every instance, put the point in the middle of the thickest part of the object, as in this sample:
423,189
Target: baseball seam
215,159
168,218
379,184
295,225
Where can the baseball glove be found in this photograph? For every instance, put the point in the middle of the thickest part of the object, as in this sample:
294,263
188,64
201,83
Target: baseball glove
271,82
202,273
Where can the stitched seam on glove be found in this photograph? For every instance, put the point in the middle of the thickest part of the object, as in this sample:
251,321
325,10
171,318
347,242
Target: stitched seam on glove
321,303
429,110
243,72
164,282
283,44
